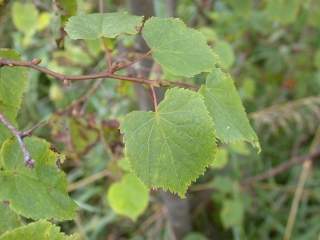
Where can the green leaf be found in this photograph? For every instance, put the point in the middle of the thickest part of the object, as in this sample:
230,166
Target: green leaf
226,109
128,197
41,230
43,21
8,219
243,8
225,53
223,184
25,17
221,159
283,11
68,8
232,213
171,147
13,83
180,50
313,13
97,25
34,193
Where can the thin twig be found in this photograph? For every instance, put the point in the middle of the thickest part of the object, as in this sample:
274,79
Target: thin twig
29,132
34,64
282,167
306,169
297,198
108,56
154,98
19,135
139,58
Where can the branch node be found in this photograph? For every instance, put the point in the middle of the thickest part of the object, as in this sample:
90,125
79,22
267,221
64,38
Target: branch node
29,163
36,61
66,82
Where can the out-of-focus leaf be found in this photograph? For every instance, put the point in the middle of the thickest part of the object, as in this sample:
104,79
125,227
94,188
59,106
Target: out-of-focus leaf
225,52
25,17
221,159
232,213
124,164
284,11
128,197
68,8
43,21
195,236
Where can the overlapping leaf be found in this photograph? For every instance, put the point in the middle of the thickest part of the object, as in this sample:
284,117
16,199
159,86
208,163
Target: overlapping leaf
180,50
97,25
38,193
128,197
226,109
171,147
13,83
41,230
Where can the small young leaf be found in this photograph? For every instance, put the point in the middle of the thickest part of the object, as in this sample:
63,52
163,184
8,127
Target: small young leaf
8,219
180,50
97,25
26,23
34,193
226,110
128,197
171,147
13,83
41,230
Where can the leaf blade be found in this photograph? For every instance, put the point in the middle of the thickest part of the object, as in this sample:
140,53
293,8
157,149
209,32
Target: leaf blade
226,109
172,147
97,25
180,50
38,193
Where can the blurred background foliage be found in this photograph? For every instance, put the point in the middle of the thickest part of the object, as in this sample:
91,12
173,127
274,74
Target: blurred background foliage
272,49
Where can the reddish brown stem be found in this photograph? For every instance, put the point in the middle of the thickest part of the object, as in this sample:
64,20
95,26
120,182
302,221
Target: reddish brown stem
105,74
154,98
